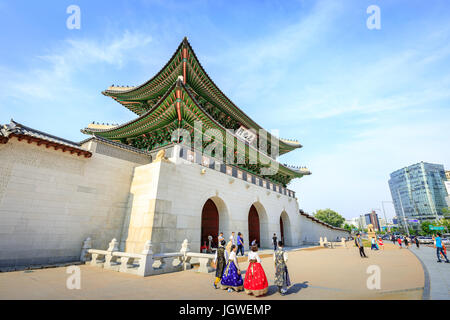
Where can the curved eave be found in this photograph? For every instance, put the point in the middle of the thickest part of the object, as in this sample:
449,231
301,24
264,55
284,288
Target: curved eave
107,132
285,146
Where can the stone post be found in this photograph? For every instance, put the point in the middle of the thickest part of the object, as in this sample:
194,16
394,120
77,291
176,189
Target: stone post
321,242
87,244
343,242
184,250
146,262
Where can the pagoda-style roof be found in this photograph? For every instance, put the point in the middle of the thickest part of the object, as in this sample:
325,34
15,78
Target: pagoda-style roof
140,99
164,116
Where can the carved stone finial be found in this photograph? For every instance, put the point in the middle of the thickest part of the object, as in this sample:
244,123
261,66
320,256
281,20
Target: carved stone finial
185,246
161,155
147,248
113,245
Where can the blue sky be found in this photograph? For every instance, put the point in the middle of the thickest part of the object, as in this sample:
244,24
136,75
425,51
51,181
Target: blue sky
362,102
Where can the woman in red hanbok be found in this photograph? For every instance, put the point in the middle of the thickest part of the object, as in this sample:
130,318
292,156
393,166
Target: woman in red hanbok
255,278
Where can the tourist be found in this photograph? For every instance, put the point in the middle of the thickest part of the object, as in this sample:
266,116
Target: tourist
440,249
380,242
204,247
240,243
231,278
399,241
232,238
255,278
416,240
393,239
373,244
281,271
220,260
229,245
406,242
254,243
220,237
359,244
274,241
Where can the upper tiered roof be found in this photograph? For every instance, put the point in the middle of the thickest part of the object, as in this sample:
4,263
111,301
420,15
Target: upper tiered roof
180,94
184,62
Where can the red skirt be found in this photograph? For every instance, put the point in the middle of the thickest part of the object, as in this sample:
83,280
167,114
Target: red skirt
255,280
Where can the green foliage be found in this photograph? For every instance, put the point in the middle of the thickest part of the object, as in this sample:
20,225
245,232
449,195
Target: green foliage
425,227
348,227
329,216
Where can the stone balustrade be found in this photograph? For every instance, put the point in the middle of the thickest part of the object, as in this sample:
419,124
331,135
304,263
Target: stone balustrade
323,242
145,263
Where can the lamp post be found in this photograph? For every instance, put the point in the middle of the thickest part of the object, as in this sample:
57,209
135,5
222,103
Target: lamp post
384,213
403,211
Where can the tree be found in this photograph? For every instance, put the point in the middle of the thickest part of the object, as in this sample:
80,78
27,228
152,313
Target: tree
348,227
329,216
425,227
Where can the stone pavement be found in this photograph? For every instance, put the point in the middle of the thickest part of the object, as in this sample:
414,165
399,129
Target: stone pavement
316,273
438,273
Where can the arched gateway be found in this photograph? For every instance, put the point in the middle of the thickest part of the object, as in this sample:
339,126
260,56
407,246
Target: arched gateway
254,230
210,223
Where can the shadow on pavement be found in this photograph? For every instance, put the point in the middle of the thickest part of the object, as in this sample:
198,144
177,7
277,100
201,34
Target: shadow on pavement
297,287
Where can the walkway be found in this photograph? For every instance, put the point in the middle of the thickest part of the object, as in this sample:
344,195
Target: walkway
439,273
316,273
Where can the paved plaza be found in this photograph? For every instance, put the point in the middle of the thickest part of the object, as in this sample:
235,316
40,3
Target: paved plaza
316,273
438,273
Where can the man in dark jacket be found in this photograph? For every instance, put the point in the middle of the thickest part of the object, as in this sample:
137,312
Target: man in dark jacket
359,244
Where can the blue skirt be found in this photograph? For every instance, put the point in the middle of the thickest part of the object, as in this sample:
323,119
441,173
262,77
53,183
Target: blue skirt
231,278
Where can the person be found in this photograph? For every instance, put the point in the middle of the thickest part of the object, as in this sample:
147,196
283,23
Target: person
231,278
399,240
281,271
254,243
359,244
232,238
240,243
229,244
204,247
406,242
255,278
439,249
220,260
393,239
220,237
416,240
380,242
274,241
373,244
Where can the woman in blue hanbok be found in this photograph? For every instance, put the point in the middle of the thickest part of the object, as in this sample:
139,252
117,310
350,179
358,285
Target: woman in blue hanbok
231,278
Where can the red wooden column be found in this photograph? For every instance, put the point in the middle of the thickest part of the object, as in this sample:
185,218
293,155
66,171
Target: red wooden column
184,64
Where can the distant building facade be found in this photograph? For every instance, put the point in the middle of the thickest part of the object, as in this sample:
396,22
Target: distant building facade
418,193
372,218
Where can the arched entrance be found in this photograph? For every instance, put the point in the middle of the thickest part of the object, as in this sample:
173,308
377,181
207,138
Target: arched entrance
285,229
254,226
281,230
210,223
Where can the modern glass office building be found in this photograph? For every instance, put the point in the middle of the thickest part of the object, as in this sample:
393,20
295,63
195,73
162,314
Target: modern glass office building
418,193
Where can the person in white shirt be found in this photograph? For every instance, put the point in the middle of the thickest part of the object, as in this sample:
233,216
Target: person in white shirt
255,278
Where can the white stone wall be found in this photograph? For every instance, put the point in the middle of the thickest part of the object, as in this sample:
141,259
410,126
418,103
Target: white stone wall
174,203
51,201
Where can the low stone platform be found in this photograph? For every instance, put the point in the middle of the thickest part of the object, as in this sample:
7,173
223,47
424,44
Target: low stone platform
321,273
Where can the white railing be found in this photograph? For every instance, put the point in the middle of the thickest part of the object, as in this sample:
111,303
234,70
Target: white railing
145,263
323,242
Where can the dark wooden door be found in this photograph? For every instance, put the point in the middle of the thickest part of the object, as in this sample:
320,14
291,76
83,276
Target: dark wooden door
282,230
253,226
210,223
